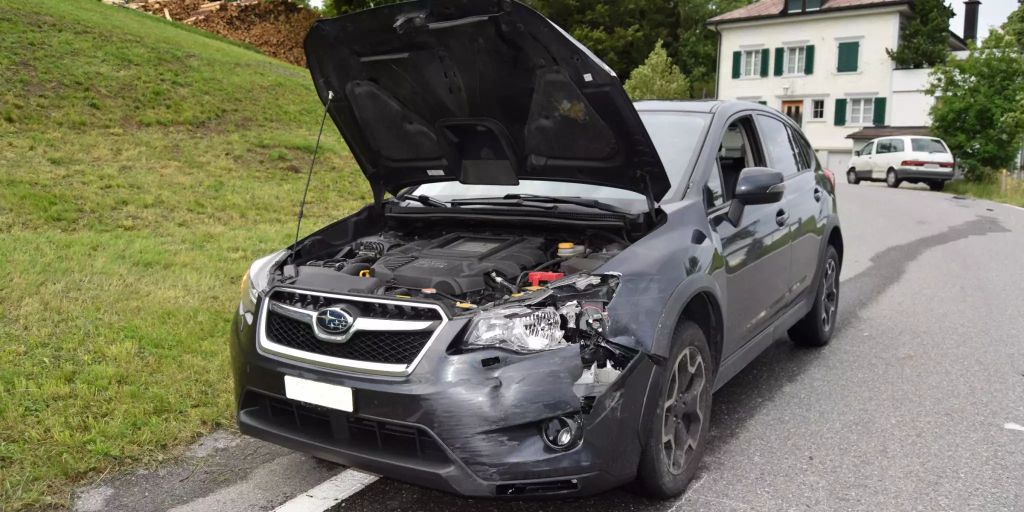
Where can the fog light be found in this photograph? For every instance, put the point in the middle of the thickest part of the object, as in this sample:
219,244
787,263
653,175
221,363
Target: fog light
562,433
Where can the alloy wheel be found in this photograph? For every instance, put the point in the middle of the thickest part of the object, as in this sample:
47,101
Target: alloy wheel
683,416
830,294
891,179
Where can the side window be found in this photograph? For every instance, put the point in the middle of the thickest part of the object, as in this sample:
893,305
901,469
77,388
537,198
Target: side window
884,146
776,143
868,149
804,152
897,146
735,154
714,194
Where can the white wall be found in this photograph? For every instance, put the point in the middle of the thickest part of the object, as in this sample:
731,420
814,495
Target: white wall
910,104
876,29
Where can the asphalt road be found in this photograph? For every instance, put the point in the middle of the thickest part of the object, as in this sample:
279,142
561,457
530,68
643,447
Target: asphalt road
914,405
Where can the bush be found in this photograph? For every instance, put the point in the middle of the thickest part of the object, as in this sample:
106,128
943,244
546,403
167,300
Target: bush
658,79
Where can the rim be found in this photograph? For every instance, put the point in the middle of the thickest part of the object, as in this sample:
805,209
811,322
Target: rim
890,178
683,412
830,295
850,176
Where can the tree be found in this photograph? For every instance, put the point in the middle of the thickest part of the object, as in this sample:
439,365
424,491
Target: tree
658,78
1014,27
979,108
924,37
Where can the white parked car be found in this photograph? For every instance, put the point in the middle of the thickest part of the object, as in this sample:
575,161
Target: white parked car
897,159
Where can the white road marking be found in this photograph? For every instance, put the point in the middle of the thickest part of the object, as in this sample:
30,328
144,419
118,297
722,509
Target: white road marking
329,493
1013,426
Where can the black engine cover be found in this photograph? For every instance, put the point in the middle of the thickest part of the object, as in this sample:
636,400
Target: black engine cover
456,263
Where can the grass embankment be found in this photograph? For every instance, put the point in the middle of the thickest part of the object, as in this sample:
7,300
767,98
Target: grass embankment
142,167
1010,192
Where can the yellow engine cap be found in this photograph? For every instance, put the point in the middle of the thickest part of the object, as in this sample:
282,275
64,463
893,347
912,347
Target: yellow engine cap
566,245
465,305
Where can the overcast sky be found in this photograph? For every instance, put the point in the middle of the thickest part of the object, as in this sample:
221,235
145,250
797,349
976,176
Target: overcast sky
993,13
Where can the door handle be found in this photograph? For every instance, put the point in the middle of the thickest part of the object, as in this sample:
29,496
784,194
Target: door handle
781,217
817,194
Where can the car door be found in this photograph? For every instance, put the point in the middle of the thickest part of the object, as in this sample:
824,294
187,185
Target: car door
882,158
863,162
755,250
805,198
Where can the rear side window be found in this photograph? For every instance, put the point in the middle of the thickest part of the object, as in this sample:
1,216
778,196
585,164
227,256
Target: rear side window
897,146
885,146
804,153
928,145
775,138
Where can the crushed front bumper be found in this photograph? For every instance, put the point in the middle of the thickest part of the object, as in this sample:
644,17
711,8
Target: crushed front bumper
464,423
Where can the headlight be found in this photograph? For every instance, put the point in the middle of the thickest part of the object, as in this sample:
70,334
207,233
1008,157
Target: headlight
255,282
517,328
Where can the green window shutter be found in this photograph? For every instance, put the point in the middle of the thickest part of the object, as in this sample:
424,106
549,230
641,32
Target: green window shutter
879,112
764,62
779,57
809,59
737,57
840,112
849,54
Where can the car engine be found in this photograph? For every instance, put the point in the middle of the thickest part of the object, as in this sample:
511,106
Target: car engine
464,270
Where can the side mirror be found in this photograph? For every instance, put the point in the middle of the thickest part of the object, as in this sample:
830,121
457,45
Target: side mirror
759,185
756,185
856,153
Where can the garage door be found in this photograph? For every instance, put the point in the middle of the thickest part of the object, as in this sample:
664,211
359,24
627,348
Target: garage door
838,161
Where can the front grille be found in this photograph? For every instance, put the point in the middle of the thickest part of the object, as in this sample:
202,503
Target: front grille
390,311
381,439
370,346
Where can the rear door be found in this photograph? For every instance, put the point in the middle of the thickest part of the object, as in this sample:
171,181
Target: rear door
807,215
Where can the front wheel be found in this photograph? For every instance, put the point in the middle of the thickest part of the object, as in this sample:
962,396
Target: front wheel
815,329
937,185
891,179
851,177
677,431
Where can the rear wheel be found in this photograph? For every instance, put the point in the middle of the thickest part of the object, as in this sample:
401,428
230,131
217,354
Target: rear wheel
937,185
815,329
677,431
891,179
851,177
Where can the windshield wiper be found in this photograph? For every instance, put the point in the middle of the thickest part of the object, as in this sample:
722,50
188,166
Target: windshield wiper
502,201
578,201
423,199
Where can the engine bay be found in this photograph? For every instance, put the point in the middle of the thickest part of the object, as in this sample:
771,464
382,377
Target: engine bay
463,271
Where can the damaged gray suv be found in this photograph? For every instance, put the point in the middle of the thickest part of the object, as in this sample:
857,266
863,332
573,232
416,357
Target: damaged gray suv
551,281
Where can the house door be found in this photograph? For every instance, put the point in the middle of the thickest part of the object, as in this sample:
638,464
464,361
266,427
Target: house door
795,110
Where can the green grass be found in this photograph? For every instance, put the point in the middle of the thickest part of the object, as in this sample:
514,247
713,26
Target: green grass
1010,193
143,165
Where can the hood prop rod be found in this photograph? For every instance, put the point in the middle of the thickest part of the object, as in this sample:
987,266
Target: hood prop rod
651,204
309,177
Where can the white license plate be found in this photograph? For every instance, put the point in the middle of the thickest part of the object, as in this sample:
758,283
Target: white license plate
318,393
932,166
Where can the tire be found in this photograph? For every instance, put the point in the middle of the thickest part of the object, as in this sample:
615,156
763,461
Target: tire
688,412
892,180
937,186
816,328
851,177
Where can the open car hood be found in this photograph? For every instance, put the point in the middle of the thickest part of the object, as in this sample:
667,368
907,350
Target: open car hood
484,92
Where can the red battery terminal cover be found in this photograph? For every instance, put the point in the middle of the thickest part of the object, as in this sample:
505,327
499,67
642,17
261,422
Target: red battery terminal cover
536,278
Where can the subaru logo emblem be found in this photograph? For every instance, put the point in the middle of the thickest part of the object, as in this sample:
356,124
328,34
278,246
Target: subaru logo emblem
334,321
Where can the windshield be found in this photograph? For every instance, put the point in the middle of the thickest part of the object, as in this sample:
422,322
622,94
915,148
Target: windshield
676,136
928,145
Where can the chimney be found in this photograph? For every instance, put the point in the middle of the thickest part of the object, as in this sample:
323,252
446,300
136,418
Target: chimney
971,20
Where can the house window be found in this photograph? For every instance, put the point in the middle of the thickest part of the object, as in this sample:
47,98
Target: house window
817,109
862,110
802,5
751,63
795,60
849,56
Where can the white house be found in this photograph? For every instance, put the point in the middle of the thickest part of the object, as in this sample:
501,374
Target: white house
824,63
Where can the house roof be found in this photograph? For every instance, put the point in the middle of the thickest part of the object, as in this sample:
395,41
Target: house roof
776,9
874,132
